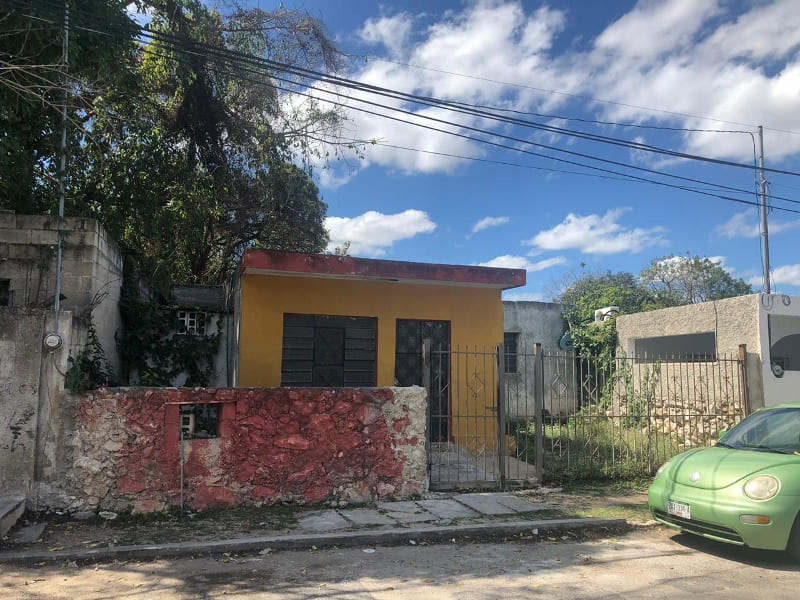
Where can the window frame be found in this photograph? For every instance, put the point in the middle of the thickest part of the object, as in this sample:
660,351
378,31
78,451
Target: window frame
511,357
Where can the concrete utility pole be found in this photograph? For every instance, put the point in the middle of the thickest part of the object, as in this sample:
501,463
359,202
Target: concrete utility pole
62,171
763,196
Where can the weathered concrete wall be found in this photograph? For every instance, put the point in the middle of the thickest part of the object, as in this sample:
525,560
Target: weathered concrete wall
31,392
20,363
274,445
91,269
734,321
537,322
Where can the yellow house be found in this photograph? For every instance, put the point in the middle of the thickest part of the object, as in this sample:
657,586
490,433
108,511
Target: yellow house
312,320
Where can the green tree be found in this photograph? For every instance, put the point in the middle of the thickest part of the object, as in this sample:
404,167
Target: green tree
676,280
185,150
32,90
597,290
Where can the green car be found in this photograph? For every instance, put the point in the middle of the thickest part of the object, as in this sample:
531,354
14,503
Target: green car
745,490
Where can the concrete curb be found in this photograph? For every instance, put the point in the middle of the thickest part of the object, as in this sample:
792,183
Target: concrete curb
375,537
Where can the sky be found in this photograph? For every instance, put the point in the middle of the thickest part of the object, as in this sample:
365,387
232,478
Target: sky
692,77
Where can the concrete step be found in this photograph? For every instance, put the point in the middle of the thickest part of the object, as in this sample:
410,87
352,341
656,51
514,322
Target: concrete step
11,509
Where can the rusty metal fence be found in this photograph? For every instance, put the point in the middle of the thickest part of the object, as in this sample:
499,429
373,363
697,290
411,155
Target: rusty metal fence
561,417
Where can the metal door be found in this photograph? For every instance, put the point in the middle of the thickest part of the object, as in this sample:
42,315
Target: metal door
409,368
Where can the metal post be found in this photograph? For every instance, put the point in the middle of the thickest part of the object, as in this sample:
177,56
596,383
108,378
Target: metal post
745,394
538,404
501,415
426,383
763,194
180,441
62,172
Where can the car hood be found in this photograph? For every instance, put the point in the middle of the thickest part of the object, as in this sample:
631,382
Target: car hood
716,468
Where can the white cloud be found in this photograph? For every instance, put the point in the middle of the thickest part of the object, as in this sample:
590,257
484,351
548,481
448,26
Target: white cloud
746,225
487,222
595,234
391,32
698,58
487,39
687,57
508,261
654,27
371,233
786,275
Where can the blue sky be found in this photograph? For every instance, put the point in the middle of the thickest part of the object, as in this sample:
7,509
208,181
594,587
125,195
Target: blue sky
661,66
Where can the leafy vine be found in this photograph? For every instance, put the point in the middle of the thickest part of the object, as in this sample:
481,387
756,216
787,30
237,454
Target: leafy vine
154,346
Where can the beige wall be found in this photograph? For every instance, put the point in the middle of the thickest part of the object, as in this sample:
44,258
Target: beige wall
734,321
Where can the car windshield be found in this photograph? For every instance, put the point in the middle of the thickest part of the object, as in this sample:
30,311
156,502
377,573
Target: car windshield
774,430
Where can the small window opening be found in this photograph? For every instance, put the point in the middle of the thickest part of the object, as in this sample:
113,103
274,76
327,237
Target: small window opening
200,421
192,323
510,351
5,292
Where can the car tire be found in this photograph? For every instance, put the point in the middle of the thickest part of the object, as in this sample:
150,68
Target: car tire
793,547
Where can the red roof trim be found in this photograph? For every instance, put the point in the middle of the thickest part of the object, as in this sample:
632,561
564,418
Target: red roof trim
275,262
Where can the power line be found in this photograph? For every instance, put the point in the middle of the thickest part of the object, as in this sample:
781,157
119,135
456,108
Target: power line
571,95
519,140
180,42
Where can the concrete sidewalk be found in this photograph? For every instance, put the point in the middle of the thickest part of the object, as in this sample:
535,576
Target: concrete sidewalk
462,516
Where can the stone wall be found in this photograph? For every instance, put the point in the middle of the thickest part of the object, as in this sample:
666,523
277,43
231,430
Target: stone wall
273,445
692,402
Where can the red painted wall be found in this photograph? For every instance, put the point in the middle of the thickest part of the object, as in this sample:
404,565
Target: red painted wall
274,445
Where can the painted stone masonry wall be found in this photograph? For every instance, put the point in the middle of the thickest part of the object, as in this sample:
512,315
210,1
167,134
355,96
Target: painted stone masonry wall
274,445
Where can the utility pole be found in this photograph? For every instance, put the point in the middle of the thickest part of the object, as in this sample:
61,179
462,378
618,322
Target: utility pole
53,340
62,172
763,202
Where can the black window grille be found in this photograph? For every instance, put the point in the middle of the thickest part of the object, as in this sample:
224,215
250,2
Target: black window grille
510,351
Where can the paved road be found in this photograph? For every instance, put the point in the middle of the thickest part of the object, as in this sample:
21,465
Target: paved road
651,563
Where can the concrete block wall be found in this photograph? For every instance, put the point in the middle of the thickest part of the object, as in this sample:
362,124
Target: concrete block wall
542,323
734,321
91,269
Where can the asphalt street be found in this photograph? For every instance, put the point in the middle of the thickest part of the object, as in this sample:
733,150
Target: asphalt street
646,563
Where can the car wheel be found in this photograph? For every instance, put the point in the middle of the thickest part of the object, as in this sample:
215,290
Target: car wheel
793,547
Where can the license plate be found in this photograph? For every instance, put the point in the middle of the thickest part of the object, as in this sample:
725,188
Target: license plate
679,509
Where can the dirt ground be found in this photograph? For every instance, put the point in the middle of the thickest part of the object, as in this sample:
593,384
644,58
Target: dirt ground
652,562
66,532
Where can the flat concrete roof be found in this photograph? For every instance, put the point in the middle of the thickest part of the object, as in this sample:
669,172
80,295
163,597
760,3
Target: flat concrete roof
272,262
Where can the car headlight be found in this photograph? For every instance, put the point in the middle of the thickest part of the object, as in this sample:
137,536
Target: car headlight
661,469
762,487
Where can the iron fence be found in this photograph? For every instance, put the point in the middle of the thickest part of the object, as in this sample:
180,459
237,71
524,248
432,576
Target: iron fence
625,416
561,417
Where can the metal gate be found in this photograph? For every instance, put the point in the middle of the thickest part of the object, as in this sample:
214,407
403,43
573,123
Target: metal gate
516,419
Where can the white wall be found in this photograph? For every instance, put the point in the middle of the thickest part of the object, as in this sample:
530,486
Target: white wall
786,388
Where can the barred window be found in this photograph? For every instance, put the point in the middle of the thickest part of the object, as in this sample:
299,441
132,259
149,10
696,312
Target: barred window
510,350
191,323
200,420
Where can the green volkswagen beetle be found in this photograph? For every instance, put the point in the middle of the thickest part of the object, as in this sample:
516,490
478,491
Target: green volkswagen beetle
745,490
